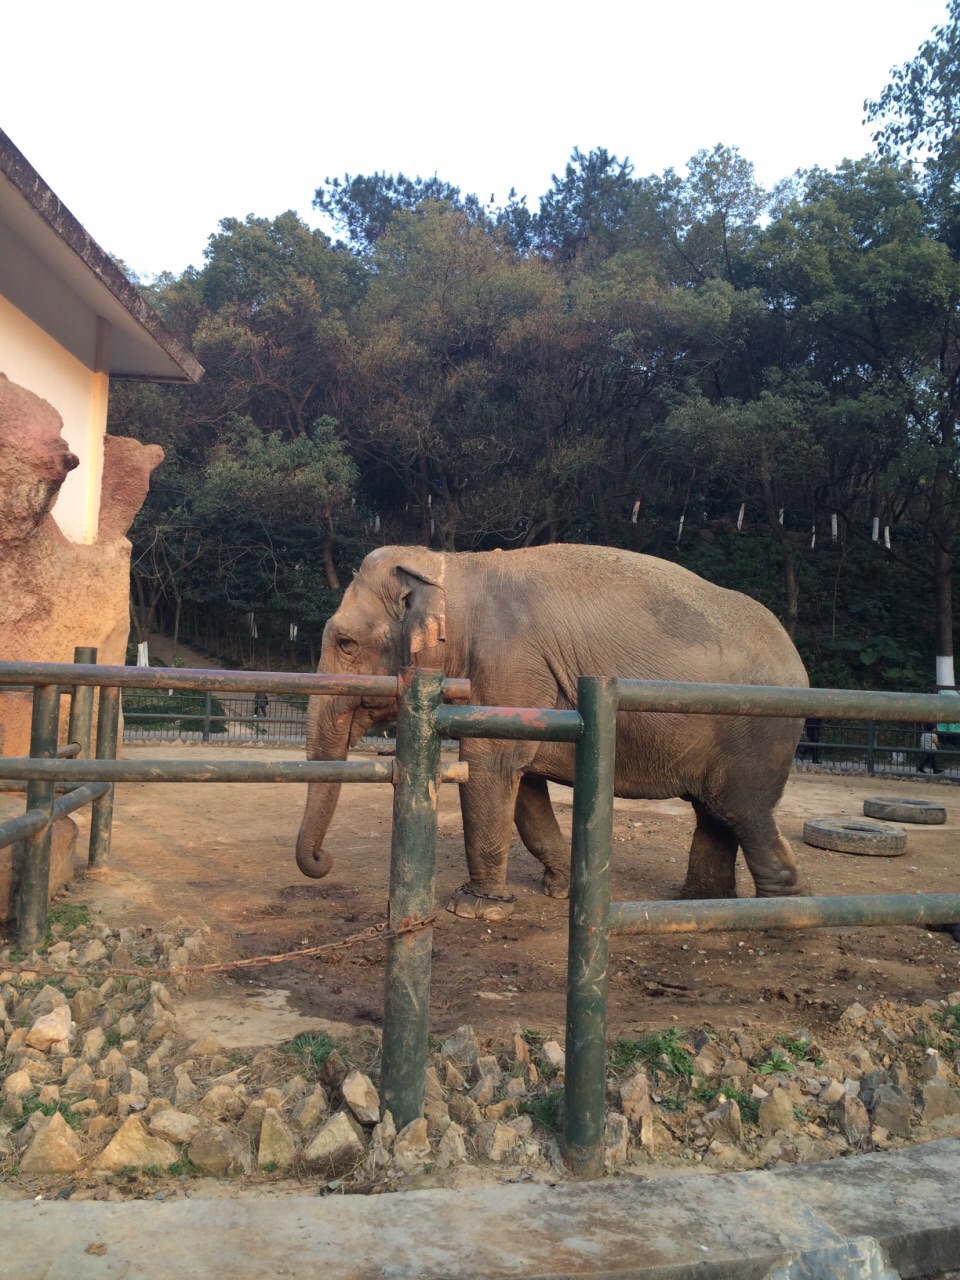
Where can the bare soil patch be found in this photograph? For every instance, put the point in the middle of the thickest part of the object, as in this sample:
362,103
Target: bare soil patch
223,855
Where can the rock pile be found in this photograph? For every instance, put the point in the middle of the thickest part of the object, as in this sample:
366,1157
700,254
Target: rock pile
97,1081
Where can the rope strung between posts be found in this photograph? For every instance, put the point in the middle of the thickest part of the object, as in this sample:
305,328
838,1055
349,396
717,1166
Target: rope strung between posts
377,932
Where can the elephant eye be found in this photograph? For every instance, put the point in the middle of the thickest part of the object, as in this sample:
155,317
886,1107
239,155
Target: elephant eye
346,645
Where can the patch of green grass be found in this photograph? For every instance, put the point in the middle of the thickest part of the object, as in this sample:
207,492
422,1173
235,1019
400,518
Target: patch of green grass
315,1050
801,1050
533,1038
152,1171
68,915
112,1037
546,1109
270,1167
674,1101
31,1104
706,1094
182,1166
661,1052
776,1062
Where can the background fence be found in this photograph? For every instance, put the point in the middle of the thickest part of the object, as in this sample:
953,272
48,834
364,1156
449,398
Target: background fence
864,746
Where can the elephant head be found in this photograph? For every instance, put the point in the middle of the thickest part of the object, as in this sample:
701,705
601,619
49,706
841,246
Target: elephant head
392,615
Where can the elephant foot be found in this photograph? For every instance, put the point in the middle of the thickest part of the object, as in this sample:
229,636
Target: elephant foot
702,892
556,884
798,890
471,905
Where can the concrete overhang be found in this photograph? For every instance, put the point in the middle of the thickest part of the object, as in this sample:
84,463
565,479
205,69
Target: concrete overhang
58,276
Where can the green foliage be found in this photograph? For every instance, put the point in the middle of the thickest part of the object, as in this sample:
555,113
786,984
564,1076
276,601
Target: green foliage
660,1051
546,1109
801,1050
181,1166
31,1103
184,712
776,1062
67,916
314,1050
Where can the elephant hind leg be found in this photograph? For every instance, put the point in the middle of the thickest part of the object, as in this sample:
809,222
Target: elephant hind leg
539,831
711,871
771,860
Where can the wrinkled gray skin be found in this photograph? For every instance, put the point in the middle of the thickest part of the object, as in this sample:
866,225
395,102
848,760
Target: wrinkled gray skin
521,626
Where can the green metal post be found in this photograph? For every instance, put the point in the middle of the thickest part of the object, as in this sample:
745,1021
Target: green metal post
101,814
207,708
35,870
406,1012
871,746
585,1075
81,704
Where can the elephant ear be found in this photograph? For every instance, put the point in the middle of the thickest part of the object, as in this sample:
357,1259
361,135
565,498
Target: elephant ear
423,599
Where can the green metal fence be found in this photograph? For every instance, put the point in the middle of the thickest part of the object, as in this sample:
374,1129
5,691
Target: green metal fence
422,722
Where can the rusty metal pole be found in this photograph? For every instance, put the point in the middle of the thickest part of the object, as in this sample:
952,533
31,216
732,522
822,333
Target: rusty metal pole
585,1073
406,1011
101,814
35,869
81,704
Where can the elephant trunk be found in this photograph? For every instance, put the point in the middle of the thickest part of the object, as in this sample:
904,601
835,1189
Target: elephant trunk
330,727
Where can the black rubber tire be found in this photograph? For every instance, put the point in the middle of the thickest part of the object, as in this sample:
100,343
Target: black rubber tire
894,810
851,835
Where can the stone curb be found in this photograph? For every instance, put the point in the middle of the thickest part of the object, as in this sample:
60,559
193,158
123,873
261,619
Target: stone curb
877,1216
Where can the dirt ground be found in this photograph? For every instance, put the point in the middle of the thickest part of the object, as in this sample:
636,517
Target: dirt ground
223,855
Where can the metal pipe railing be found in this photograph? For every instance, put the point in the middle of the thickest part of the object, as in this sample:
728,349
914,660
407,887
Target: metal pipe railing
582,1141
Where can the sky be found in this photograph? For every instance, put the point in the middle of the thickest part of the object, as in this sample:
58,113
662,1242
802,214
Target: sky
151,123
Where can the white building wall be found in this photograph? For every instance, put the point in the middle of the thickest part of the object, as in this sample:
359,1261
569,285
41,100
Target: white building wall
30,357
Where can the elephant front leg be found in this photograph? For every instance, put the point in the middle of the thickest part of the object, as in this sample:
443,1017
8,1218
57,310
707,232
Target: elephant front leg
487,803
539,831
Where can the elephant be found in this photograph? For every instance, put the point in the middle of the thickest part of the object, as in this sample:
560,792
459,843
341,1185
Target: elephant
522,625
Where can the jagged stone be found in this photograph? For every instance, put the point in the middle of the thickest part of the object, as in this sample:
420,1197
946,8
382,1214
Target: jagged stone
495,1141
724,1122
17,1084
132,1147
337,1147
295,1087
616,1135
278,1147
85,1107
55,1148
79,1080
934,1067
381,1141
204,1047
516,1087
854,1122
453,1076
709,1059
215,1150
136,1082
776,1113
251,1122
433,1090
93,1044
92,953
333,1071
725,1155
861,1059
52,1032
464,1110
174,1126
831,1093
553,1055
312,1110
361,1097
411,1147
521,1050
221,1101
853,1016
438,1119
46,1000
273,1097
185,1091
114,1063
49,1093
891,1110
635,1097
462,1046
159,1056
451,1149
484,1091
939,1099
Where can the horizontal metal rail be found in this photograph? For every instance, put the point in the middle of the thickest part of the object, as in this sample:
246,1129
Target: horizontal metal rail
715,915
46,673
769,700
509,722
33,821
27,768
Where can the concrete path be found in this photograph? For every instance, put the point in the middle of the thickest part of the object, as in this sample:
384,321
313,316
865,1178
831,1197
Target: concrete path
875,1217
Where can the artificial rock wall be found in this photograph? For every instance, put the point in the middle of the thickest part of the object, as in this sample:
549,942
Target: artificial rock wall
54,593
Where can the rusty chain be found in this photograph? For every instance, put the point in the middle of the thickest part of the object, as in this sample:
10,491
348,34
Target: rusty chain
377,932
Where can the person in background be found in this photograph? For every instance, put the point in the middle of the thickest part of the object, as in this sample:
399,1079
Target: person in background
928,744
